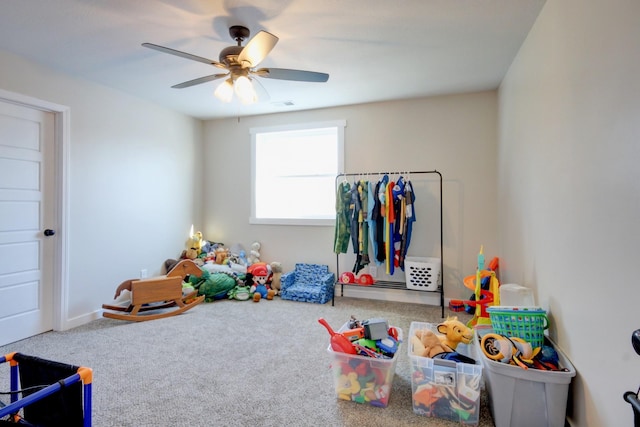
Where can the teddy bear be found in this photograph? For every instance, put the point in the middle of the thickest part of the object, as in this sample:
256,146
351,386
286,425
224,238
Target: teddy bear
425,343
254,253
276,274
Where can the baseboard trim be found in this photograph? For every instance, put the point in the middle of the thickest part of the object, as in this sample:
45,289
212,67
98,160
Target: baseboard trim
74,322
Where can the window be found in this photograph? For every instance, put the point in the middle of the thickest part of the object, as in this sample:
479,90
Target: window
293,173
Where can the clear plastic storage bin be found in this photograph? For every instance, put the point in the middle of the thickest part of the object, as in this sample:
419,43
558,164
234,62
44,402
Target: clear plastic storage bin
363,379
443,388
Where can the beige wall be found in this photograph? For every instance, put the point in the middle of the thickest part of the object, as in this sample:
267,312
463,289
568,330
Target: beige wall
457,135
569,191
132,189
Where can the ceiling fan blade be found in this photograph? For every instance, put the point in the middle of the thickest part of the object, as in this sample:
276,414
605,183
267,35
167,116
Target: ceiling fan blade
183,54
199,81
297,75
261,92
257,49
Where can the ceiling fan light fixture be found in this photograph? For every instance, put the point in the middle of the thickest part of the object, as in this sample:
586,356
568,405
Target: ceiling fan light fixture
245,91
224,92
240,61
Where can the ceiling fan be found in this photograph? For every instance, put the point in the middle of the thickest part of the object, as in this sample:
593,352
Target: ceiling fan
240,63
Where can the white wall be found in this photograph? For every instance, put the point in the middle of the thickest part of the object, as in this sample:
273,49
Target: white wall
569,191
456,135
133,192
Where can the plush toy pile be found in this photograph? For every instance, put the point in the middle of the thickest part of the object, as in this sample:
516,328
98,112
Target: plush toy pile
229,272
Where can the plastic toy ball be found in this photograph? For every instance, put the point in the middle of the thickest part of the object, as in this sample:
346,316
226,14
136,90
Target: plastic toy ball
549,355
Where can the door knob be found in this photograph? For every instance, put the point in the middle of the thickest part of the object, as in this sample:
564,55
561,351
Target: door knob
48,232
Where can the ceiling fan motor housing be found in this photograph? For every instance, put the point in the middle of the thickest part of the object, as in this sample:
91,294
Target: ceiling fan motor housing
229,55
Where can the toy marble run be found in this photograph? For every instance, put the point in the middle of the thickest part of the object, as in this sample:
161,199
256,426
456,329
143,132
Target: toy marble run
485,296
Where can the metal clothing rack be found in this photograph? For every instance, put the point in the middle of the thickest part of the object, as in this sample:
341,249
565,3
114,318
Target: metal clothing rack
386,284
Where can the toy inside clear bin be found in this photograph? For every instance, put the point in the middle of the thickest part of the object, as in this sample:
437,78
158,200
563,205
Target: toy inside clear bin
363,379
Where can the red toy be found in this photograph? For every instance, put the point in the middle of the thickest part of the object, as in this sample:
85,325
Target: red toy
339,342
350,278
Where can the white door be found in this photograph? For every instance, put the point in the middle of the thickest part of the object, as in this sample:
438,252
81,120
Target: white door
26,210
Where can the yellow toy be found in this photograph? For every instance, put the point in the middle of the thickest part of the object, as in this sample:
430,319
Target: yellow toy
425,343
451,332
454,332
483,298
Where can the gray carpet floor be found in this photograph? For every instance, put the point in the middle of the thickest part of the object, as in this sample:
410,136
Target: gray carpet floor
233,363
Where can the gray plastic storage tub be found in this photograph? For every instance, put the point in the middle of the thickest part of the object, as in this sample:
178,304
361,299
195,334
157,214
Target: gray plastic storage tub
527,398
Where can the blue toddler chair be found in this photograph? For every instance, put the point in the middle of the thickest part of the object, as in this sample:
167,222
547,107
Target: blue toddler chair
308,283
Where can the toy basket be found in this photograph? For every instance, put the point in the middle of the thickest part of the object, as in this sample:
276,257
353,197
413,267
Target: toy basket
528,323
422,273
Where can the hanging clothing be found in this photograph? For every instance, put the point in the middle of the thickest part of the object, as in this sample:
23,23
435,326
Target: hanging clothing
343,220
354,213
371,222
379,215
398,208
389,222
410,218
363,190
359,234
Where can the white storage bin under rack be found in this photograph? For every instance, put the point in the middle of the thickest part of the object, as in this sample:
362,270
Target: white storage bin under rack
422,273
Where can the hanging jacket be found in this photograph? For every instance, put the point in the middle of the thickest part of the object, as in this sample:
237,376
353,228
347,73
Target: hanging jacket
343,220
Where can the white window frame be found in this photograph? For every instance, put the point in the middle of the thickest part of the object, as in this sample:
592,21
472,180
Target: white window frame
339,125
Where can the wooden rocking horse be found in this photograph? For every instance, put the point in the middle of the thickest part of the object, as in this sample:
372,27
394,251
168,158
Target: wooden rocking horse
162,293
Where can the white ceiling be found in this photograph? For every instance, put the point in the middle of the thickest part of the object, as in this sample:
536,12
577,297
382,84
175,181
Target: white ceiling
374,50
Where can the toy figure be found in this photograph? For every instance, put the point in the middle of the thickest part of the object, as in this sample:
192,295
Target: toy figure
454,332
240,293
254,253
260,276
276,274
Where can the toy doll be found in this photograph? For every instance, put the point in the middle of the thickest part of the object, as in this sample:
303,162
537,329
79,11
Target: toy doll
260,277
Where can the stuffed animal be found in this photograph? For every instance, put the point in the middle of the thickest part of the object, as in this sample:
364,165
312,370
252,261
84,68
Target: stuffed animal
194,245
240,293
260,275
189,254
276,274
254,253
425,343
221,255
451,332
454,332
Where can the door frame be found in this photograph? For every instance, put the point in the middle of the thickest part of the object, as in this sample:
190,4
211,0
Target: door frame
61,207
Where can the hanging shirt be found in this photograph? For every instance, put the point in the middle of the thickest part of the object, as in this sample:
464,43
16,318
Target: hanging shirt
343,220
410,216
371,220
379,216
397,193
389,221
363,238
355,209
